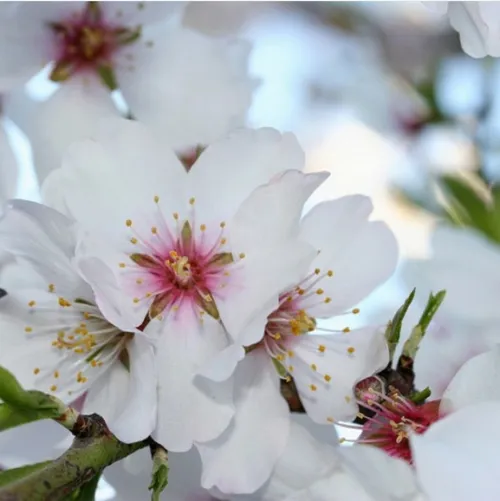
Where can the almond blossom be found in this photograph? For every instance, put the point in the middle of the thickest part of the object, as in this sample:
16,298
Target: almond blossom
325,364
196,255
54,336
191,88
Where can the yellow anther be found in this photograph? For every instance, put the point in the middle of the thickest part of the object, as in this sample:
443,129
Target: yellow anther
52,287
313,387
78,350
319,291
154,230
93,363
86,315
36,371
136,300
192,201
330,420
173,254
329,273
100,364
328,300
289,298
128,222
346,329
327,378
175,215
64,302
301,292
223,241
83,380
314,367
222,224
290,353
149,294
122,265
28,329
347,398
156,199
290,368
61,334
139,281
341,440
242,255
56,374
280,357
133,240
53,388
203,227
31,304
317,271
355,311
351,350
71,338
322,348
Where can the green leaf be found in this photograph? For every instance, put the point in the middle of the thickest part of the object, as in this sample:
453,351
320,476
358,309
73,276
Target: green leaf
433,303
393,331
412,344
159,475
468,207
15,474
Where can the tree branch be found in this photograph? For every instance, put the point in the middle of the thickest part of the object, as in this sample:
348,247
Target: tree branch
93,449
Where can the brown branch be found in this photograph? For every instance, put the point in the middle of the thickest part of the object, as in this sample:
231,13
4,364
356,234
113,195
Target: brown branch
93,449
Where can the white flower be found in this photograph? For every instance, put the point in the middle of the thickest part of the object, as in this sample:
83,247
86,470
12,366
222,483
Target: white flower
193,89
477,24
353,257
451,464
54,336
188,250
314,471
90,38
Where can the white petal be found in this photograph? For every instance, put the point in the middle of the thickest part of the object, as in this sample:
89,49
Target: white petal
361,254
132,14
187,86
9,171
478,380
45,238
466,18
25,43
243,457
223,364
304,461
113,302
190,409
445,348
462,261
452,463
70,114
127,401
265,228
245,160
108,169
325,371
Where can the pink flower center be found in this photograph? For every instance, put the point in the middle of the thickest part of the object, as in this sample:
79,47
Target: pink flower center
87,41
287,325
395,419
179,265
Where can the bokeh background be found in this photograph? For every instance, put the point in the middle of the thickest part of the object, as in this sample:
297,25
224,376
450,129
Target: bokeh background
380,94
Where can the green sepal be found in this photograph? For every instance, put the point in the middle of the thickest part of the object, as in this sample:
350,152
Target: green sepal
393,330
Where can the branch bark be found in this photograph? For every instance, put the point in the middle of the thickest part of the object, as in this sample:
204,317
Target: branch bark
93,449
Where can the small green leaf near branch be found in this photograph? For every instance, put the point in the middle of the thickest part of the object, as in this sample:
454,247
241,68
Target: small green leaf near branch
159,475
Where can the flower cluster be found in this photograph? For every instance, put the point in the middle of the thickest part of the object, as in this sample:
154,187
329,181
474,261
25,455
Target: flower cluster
172,281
